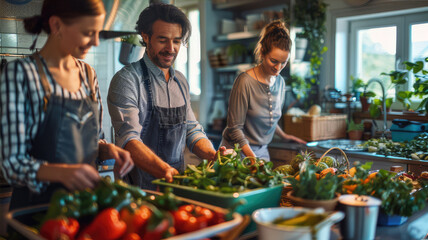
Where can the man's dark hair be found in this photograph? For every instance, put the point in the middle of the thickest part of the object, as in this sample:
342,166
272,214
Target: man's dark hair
167,13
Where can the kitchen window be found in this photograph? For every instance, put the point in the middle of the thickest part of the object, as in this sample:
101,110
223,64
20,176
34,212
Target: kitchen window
382,44
189,58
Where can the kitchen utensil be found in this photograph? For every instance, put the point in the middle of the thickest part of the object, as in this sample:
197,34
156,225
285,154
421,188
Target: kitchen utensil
361,213
269,231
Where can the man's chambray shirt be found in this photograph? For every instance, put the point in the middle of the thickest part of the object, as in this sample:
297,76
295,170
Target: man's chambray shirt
127,101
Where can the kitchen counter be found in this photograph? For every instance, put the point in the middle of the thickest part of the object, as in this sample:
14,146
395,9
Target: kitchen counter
278,147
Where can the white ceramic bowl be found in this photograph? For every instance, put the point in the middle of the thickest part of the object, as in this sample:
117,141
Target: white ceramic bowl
269,231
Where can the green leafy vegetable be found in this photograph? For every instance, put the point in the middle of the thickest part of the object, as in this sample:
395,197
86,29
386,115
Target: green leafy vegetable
397,197
308,187
230,173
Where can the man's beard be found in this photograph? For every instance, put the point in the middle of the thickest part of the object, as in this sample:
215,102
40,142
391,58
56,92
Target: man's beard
156,60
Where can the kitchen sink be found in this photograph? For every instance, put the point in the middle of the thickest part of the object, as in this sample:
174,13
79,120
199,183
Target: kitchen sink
344,144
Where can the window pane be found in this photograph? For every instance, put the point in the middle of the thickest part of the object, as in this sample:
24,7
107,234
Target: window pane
189,58
181,61
195,54
419,44
376,54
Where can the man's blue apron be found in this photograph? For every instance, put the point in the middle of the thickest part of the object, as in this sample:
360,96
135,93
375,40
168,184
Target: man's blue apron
164,132
68,134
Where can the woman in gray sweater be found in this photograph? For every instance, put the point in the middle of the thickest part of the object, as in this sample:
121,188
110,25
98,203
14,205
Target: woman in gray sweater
257,96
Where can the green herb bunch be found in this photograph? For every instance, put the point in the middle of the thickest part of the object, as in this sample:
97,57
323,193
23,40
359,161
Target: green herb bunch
387,147
230,173
308,187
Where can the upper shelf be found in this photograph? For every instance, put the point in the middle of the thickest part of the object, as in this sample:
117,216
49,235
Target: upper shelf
235,68
245,5
237,36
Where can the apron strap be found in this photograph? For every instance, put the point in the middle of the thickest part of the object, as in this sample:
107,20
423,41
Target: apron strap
91,81
43,80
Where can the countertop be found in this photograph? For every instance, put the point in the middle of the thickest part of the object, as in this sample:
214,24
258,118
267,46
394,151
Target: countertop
360,155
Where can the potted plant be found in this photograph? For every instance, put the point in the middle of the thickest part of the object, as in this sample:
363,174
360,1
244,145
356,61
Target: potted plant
298,85
131,49
420,87
364,99
421,82
310,17
236,53
356,87
355,130
312,190
398,196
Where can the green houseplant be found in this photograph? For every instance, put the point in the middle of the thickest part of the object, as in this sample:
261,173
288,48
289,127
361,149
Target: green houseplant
299,86
130,49
310,15
364,99
355,130
420,87
236,53
397,196
131,39
357,86
309,191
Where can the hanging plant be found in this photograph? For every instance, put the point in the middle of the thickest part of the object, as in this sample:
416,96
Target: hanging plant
310,15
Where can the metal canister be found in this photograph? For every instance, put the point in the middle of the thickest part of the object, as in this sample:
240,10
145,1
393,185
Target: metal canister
361,213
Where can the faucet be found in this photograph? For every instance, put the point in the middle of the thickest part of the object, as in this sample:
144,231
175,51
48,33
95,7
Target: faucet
383,100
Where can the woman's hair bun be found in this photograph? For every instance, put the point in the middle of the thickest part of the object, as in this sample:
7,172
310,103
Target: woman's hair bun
33,24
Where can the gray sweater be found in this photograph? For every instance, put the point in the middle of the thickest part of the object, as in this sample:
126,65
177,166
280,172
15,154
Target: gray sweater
254,111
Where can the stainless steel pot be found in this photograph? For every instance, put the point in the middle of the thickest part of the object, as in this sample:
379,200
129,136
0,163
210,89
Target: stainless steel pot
361,213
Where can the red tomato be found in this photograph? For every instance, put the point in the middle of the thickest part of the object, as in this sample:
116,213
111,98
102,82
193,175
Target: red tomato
131,236
58,228
189,218
136,219
106,225
158,232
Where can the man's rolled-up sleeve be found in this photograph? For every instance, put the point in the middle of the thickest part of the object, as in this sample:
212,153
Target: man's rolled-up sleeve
124,110
195,132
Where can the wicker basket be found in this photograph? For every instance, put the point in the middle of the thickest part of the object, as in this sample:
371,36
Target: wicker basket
285,201
314,128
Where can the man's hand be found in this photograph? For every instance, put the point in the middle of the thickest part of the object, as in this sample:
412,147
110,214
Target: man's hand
169,173
224,152
73,176
123,162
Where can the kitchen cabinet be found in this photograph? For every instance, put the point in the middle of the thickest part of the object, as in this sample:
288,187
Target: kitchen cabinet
417,169
281,156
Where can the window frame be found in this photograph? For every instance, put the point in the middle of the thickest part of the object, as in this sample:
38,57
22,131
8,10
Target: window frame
187,10
343,53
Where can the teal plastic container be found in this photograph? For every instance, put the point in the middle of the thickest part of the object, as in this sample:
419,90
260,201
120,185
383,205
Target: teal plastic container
254,199
405,130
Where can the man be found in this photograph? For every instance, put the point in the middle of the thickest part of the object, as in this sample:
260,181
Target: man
149,102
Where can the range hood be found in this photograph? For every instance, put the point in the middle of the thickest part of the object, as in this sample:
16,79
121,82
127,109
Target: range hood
121,17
